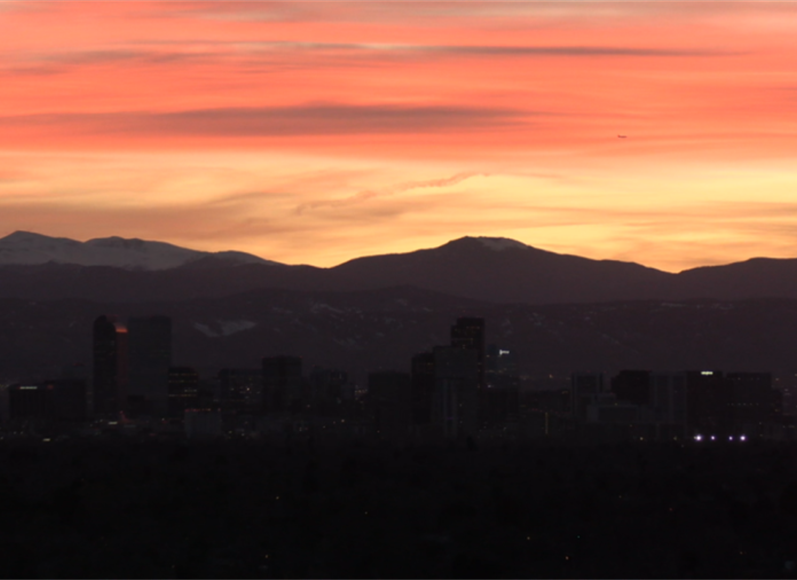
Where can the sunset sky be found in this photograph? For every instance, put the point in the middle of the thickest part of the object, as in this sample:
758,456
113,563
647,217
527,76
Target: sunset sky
318,132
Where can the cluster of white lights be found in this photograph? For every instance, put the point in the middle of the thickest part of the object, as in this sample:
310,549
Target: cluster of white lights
714,438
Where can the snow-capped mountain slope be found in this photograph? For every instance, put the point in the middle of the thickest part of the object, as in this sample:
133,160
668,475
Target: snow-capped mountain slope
28,248
501,244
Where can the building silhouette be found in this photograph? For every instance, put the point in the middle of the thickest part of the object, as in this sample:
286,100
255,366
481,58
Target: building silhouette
241,390
754,402
709,397
499,402
584,388
183,390
422,389
389,402
150,346
61,400
669,404
110,365
282,384
632,386
469,333
455,404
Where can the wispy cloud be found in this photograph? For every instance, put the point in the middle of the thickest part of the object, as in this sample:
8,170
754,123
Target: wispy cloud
426,50
368,194
249,53
314,119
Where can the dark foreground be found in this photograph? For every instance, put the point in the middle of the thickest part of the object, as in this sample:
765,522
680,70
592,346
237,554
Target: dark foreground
207,510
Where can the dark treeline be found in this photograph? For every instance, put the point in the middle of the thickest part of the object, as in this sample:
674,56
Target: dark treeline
303,509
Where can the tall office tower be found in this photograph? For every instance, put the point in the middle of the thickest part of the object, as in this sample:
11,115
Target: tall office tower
500,399
469,333
150,345
584,388
183,390
327,384
709,397
422,388
632,386
455,407
110,366
754,402
282,383
389,401
668,402
500,360
241,390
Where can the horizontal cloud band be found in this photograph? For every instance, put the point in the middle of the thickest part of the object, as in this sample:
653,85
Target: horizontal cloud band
278,121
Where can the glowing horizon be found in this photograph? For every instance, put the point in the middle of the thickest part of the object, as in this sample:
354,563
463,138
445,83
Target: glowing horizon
320,132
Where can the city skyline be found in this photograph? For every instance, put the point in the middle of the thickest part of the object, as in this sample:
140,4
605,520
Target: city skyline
658,132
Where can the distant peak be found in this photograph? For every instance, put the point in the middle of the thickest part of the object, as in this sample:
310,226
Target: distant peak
23,236
499,244
117,242
495,244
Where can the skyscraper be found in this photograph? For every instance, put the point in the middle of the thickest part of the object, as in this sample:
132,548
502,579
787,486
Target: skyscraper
584,388
456,392
110,365
241,390
709,398
499,402
389,398
183,390
422,388
150,345
469,333
282,383
632,386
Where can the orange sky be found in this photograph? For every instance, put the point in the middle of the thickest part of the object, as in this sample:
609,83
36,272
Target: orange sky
317,132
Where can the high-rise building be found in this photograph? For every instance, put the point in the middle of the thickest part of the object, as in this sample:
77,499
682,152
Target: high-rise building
241,390
469,333
668,404
150,346
389,400
709,396
754,401
499,402
455,407
183,390
282,383
422,388
327,384
110,365
500,360
632,386
584,387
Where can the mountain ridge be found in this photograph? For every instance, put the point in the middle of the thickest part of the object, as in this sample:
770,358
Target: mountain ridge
30,248
496,270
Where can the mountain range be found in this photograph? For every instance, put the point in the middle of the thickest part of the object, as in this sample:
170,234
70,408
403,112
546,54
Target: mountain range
495,270
559,313
28,248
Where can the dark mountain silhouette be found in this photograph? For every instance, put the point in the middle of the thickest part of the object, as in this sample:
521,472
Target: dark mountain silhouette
489,269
